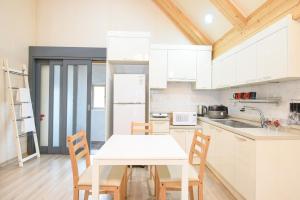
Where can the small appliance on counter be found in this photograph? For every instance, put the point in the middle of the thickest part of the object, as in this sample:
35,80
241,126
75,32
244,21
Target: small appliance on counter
217,112
159,115
184,119
201,110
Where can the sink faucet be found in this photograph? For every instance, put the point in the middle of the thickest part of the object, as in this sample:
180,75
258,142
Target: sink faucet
263,121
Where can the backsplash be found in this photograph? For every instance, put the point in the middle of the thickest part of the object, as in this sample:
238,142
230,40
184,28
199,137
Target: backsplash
286,90
180,96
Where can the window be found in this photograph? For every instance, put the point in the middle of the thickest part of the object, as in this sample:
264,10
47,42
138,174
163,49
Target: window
98,97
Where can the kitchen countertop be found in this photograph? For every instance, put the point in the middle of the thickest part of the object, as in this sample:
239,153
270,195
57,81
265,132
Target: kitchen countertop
184,127
255,133
159,119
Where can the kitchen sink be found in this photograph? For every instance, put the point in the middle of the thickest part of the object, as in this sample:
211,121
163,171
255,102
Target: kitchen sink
235,124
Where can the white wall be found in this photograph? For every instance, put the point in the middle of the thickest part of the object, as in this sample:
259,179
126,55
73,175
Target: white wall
17,19
181,97
286,90
85,22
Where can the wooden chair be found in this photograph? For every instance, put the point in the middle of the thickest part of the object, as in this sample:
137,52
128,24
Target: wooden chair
169,177
141,128
145,129
112,179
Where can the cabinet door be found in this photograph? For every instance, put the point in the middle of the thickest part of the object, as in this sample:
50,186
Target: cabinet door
228,71
160,127
246,65
158,68
204,70
182,65
128,49
226,155
217,74
179,136
272,56
245,167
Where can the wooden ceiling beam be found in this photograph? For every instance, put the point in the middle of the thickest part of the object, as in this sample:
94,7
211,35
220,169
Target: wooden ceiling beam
264,16
183,22
231,13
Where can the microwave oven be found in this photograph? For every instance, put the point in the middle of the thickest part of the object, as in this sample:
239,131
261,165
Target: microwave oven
184,119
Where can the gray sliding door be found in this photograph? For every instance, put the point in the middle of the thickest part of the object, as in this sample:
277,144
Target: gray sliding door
63,101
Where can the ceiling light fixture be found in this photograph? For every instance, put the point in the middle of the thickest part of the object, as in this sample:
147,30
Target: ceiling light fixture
208,19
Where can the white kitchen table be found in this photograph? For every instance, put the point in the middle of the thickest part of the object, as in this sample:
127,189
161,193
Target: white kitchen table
140,150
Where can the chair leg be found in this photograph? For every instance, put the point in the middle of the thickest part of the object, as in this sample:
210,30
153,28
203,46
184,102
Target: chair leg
163,192
191,193
150,171
117,194
156,184
75,194
130,173
200,191
86,195
125,184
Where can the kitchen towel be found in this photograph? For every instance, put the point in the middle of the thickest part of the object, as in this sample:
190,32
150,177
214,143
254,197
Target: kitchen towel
28,125
23,95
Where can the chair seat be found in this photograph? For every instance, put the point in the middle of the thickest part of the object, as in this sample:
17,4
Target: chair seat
109,176
173,173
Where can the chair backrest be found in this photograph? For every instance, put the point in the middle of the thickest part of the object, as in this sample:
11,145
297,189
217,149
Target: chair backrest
78,148
199,148
141,128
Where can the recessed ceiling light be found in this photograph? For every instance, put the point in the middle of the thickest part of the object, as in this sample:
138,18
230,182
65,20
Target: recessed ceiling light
208,19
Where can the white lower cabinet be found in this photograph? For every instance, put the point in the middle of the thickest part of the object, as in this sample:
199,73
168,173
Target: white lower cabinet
233,157
245,162
184,138
161,127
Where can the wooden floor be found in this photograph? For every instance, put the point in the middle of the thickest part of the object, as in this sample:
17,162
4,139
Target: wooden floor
50,177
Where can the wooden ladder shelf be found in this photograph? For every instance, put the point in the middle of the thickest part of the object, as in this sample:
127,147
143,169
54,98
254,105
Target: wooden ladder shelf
26,122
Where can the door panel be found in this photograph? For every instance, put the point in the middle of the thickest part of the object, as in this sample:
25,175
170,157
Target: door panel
44,104
56,104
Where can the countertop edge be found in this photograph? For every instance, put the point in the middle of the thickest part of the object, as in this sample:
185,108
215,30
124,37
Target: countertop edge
290,136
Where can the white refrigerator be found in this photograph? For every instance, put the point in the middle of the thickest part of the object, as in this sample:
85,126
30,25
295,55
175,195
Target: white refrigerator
129,101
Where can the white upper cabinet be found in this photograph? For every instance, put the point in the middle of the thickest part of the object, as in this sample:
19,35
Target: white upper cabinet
128,46
272,56
228,71
217,74
204,70
158,68
182,65
224,72
246,65
185,63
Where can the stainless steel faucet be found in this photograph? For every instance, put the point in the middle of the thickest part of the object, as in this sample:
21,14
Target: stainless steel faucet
263,121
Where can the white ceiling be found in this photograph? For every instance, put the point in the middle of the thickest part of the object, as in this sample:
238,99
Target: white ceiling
197,9
246,7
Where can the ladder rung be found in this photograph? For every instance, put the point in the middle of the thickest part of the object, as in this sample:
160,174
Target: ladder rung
27,134
15,72
20,103
21,119
29,157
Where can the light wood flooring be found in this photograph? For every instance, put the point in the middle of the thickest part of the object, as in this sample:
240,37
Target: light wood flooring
50,177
